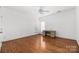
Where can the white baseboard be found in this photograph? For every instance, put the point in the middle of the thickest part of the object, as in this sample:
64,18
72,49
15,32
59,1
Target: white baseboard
17,37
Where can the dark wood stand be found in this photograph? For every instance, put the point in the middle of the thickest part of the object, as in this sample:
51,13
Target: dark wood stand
49,33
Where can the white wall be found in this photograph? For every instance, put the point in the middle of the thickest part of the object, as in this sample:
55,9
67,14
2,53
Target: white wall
17,24
63,23
77,24
21,23
1,34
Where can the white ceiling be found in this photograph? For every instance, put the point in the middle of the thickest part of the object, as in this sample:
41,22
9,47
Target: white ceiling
25,9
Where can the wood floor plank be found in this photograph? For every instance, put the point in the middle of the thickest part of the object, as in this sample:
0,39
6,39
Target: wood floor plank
40,44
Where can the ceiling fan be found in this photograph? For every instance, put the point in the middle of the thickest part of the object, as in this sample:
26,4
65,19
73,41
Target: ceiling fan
43,10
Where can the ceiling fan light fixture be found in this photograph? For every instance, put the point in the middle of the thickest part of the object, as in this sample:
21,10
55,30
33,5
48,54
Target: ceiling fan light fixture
42,10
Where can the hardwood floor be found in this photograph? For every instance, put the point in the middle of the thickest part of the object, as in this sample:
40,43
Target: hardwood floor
40,44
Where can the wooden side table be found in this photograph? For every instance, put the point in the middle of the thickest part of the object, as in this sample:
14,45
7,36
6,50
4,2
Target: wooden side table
49,33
